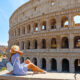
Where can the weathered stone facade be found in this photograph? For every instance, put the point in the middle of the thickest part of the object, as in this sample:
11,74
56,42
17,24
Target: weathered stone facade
39,28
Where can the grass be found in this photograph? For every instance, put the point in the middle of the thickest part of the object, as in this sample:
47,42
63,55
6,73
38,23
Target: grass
2,69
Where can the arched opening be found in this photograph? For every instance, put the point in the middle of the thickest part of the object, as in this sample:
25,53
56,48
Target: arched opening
43,44
35,44
23,30
44,64
76,20
77,42
53,43
53,23
77,68
28,47
65,42
35,61
35,27
43,27
28,58
21,59
65,65
15,33
18,31
52,2
64,22
53,65
17,43
28,28
22,45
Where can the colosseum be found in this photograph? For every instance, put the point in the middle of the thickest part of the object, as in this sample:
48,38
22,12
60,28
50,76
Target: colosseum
48,32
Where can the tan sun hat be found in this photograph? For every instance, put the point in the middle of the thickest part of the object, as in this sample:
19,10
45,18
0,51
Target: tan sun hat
14,48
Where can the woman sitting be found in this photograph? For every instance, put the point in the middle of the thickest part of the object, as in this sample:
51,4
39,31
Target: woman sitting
21,69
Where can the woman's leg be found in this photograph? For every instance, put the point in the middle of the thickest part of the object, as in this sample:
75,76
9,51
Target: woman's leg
33,67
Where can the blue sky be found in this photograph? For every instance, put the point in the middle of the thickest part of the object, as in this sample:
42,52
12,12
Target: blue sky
7,7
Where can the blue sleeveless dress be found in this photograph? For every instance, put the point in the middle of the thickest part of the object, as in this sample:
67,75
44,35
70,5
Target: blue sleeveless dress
19,69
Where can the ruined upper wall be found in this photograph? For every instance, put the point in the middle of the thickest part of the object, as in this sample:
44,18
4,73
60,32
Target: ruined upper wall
35,8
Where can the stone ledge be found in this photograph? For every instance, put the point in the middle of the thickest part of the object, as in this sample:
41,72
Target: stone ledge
47,76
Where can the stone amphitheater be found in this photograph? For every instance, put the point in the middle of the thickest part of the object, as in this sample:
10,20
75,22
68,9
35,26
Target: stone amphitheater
48,31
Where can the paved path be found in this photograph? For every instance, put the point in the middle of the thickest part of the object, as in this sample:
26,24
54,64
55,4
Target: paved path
49,75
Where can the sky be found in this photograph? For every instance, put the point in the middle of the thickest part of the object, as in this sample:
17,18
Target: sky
7,7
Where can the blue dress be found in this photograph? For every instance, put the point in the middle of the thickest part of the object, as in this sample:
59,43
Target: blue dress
19,69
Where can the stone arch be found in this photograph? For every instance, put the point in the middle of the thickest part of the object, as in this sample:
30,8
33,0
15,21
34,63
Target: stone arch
53,43
17,43
43,25
64,22
28,58
43,44
53,64
18,31
65,42
77,42
22,45
29,28
28,44
65,65
53,23
35,44
14,32
77,68
43,63
76,20
23,30
35,27
21,59
34,60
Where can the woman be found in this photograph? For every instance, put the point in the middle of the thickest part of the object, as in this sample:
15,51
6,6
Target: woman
21,69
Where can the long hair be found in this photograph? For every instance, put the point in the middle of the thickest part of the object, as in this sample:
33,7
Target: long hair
11,54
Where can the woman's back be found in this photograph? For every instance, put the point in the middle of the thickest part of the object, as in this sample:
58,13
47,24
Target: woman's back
19,69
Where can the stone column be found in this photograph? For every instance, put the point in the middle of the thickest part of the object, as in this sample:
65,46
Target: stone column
58,22
58,40
71,41
70,19
24,44
20,31
31,44
25,28
39,62
59,64
48,43
39,43
32,29
48,64
39,26
20,45
48,27
16,31
72,69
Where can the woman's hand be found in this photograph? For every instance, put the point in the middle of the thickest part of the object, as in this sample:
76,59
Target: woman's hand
19,52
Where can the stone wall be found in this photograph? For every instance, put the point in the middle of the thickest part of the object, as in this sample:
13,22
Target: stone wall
48,16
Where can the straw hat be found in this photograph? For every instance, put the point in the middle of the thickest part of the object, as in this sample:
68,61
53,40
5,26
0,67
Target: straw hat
14,49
